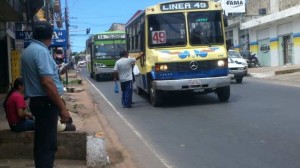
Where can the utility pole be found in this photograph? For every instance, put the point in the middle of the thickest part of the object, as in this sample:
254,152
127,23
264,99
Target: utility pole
68,39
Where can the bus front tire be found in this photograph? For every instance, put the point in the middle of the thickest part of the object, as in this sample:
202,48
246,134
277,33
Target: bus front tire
239,80
97,76
155,96
223,93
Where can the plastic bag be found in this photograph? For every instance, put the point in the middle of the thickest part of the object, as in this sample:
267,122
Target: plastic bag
116,87
136,70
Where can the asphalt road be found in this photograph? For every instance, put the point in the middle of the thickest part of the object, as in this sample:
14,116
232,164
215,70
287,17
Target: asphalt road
257,128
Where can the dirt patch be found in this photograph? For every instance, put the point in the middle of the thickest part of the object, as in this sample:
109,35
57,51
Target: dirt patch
87,117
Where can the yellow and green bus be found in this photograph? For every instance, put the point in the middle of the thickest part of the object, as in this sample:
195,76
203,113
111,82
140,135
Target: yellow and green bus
102,51
185,49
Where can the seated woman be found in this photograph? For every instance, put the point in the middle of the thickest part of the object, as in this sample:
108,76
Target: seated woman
18,118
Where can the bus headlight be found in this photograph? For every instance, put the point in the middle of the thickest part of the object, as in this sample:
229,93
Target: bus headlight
221,63
161,67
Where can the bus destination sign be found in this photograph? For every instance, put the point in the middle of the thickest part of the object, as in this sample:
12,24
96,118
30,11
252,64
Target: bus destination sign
109,36
172,6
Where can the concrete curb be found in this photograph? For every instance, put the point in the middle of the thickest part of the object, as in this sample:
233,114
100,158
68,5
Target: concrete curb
279,72
272,73
261,75
71,145
96,155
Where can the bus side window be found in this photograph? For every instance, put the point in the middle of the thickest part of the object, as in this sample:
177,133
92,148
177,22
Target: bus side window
142,34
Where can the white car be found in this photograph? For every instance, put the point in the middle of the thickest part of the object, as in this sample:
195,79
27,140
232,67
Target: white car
236,56
237,71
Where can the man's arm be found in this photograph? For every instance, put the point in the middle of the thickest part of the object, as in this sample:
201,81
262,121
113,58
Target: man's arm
140,55
53,94
116,75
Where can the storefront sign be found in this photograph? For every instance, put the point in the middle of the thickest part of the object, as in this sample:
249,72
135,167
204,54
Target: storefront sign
233,6
183,6
264,48
59,38
26,36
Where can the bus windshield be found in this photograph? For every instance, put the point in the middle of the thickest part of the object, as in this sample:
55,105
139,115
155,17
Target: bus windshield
205,28
166,30
108,51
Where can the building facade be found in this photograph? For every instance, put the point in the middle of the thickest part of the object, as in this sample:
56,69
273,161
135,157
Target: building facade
274,35
20,15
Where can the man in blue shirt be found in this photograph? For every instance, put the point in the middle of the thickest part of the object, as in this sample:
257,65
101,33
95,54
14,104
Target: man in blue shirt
43,87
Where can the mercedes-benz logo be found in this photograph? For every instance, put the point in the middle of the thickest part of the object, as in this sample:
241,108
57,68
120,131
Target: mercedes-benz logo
193,65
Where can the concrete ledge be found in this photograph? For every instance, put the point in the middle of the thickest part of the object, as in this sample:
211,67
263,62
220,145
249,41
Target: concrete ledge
261,75
287,71
71,145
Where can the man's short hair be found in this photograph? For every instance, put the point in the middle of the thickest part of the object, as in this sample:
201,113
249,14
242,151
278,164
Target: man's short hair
123,53
42,31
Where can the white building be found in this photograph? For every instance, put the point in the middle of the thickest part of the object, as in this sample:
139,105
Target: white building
275,37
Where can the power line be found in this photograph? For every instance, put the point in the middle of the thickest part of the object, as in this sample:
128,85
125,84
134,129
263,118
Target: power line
77,35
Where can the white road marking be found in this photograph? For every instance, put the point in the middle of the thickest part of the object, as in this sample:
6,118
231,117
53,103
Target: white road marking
132,128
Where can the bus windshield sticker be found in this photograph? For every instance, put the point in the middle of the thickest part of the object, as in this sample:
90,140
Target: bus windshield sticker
183,6
202,20
159,37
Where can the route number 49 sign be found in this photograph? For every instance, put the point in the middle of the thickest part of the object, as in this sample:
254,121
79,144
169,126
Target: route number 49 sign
159,37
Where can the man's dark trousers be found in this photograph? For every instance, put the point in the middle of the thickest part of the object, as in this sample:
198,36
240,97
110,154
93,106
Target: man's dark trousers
45,137
126,88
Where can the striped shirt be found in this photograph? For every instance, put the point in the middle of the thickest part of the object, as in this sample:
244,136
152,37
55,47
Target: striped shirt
124,68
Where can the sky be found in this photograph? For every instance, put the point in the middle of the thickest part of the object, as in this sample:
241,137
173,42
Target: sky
98,15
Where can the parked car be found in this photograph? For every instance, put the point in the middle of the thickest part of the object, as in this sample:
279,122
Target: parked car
237,71
236,56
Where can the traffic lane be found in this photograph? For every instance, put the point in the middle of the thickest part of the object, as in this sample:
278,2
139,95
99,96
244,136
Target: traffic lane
201,131
118,127
237,134
291,79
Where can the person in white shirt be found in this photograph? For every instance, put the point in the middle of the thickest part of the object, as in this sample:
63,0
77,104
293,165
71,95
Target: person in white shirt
123,70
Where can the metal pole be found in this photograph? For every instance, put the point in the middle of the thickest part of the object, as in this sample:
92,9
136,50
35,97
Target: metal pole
67,30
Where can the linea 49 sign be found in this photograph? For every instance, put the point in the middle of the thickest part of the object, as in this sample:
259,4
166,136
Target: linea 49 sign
183,6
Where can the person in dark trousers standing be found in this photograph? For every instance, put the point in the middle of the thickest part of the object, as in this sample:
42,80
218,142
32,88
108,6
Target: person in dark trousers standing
43,87
123,70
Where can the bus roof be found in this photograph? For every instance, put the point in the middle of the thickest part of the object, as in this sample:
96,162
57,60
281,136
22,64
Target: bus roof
111,32
136,14
175,6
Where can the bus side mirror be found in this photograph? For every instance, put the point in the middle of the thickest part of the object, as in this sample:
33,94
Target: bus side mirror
225,20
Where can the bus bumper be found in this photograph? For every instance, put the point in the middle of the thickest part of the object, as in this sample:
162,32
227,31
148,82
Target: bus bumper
104,73
191,84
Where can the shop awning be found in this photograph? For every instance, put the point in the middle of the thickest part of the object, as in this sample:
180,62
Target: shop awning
275,17
8,13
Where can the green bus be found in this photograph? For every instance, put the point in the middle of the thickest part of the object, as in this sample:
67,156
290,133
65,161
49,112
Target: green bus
102,51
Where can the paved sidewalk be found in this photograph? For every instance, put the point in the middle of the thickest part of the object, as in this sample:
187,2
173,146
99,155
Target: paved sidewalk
263,72
24,163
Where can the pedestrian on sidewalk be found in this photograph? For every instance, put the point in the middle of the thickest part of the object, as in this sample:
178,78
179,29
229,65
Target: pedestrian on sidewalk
17,115
123,71
43,87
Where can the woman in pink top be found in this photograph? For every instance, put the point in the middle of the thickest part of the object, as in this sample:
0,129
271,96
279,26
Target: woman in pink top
18,118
